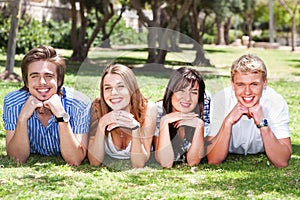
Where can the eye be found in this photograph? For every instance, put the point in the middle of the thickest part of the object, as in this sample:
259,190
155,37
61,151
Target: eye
107,88
34,76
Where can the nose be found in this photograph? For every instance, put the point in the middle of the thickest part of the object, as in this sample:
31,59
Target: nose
114,91
43,80
248,89
187,96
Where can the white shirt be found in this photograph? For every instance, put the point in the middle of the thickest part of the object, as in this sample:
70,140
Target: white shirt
110,149
246,138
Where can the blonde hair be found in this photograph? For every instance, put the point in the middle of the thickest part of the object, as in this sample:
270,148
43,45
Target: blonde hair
249,63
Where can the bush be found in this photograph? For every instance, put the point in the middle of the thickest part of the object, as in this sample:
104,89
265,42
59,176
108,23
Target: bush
31,33
60,34
4,33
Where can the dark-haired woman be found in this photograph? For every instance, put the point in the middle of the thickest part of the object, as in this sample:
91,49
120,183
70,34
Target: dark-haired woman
183,119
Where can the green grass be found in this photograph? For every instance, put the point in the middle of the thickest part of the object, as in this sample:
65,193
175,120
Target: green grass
239,177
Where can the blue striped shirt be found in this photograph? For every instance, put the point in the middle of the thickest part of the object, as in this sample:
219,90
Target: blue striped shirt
45,140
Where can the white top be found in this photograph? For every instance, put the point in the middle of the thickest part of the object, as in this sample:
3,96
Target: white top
110,149
246,138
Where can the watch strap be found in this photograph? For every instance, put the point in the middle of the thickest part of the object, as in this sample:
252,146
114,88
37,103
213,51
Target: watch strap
263,123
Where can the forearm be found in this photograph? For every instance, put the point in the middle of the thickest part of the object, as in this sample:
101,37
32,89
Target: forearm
138,152
96,151
196,151
164,153
278,151
217,149
72,150
18,146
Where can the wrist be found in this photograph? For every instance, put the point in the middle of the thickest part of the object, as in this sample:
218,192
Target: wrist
263,123
64,117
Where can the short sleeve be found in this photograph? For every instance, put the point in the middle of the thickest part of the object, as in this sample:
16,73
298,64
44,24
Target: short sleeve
79,110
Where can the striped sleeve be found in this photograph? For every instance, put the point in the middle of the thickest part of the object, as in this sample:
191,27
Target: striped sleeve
13,104
79,111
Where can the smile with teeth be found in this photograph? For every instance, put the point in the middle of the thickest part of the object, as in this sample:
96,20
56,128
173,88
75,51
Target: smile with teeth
116,100
43,90
185,105
248,99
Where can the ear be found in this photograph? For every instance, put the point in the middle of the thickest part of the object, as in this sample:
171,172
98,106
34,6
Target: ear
265,83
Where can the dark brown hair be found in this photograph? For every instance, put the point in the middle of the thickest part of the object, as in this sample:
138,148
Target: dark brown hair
182,78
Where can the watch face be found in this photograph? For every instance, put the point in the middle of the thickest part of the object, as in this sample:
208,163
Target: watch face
66,117
265,121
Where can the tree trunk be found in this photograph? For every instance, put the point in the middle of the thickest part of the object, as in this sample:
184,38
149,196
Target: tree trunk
78,40
293,33
200,59
220,33
12,40
226,30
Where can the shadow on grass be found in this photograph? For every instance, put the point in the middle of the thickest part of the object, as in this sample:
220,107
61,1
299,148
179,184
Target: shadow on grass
296,61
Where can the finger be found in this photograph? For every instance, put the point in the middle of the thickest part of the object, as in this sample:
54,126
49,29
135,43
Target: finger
112,126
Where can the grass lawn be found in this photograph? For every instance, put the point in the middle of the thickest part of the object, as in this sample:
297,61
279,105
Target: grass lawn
239,177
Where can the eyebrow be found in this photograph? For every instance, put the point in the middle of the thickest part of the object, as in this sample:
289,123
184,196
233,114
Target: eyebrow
33,73
118,83
36,73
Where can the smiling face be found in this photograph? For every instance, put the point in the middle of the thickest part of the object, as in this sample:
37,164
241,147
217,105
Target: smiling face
185,100
42,80
248,87
115,92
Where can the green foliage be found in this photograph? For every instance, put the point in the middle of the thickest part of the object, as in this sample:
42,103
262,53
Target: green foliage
31,33
60,34
123,35
209,39
4,33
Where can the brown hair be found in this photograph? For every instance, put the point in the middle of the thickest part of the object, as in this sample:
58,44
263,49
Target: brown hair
46,53
249,63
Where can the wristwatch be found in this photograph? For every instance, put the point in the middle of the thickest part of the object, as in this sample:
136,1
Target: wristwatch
263,123
64,118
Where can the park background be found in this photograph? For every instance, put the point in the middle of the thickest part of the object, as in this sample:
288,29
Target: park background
239,177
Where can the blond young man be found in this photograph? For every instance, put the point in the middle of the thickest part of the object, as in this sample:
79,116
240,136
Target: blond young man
249,117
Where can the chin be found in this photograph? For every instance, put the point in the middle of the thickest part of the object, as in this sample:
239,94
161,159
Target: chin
249,105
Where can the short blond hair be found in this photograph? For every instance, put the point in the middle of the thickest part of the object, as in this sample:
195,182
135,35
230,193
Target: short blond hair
249,63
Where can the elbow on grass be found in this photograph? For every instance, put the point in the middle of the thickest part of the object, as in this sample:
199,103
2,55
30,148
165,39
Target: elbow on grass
281,164
214,161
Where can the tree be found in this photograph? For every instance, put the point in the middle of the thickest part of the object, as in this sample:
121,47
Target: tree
292,13
248,17
11,47
198,12
104,12
166,16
